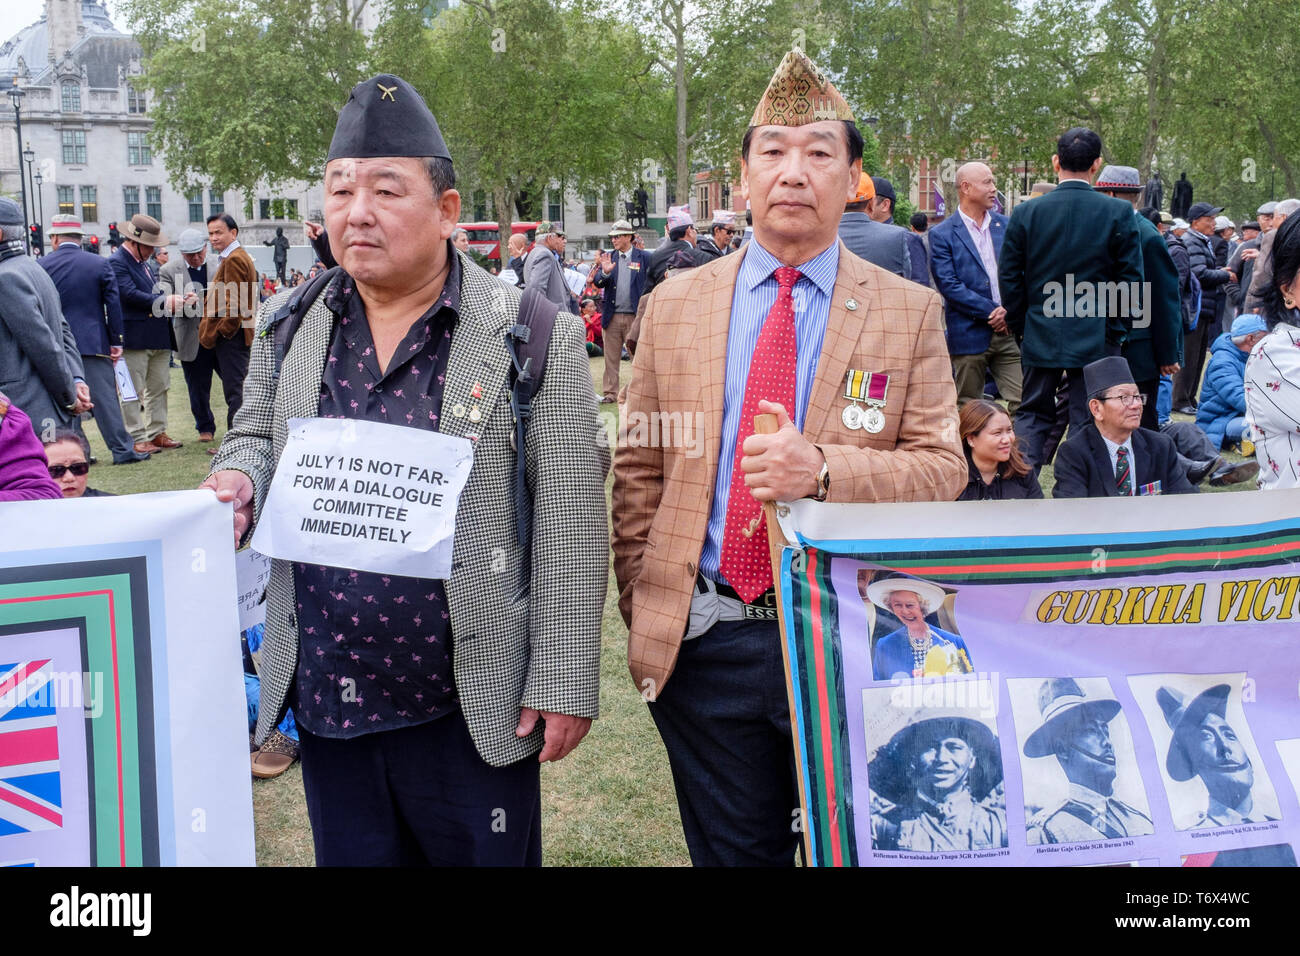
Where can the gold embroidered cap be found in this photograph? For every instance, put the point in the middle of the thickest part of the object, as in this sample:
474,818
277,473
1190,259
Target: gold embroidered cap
798,94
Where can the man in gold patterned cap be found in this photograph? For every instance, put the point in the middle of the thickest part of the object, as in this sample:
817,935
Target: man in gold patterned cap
780,329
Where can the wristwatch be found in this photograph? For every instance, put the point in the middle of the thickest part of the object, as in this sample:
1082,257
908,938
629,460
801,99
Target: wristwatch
823,481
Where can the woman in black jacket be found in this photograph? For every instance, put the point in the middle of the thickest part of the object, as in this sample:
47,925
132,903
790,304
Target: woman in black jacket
997,470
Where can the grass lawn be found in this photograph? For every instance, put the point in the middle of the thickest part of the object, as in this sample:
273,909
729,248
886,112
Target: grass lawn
610,802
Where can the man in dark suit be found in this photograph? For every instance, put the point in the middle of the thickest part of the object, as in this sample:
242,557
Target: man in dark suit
964,261
877,242
1155,345
148,333
1113,456
88,293
882,210
622,276
1069,270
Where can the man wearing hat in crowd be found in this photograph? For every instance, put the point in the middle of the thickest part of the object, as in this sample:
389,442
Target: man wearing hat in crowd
542,267
937,775
1205,745
622,275
881,210
228,309
1221,413
718,242
422,704
1154,345
1214,282
851,361
1262,278
40,363
964,259
877,242
1242,262
1071,238
1113,455
1076,731
678,252
88,295
193,272
148,334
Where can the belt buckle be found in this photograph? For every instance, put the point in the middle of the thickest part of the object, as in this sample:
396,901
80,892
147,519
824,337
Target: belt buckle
764,611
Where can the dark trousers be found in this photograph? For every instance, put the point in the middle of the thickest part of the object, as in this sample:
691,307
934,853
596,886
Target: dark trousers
107,411
1151,389
725,719
1037,413
232,366
1187,383
198,382
419,796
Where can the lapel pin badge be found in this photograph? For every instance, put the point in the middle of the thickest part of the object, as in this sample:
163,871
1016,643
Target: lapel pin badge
851,305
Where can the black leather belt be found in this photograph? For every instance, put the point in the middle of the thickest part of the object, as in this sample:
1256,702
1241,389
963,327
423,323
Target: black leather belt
762,608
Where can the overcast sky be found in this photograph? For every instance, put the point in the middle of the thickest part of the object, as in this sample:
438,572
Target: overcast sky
23,13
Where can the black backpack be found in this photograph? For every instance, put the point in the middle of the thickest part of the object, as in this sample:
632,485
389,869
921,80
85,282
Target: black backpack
526,341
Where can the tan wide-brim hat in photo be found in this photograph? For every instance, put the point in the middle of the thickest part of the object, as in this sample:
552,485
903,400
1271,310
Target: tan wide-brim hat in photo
145,230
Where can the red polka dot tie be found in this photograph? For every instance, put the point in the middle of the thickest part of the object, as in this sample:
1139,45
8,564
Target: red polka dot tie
746,562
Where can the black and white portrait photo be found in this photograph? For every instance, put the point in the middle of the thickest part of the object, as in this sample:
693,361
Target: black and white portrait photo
935,776
1078,768
1212,770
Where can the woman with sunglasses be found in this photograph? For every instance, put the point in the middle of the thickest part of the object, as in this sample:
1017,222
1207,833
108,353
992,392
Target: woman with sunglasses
69,456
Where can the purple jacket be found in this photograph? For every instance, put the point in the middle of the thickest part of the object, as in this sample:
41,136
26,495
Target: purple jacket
24,473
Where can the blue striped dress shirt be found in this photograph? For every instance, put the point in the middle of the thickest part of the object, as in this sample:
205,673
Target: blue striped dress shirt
754,297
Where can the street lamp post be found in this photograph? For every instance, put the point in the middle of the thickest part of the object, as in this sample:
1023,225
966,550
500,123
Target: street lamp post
40,199
16,94
29,156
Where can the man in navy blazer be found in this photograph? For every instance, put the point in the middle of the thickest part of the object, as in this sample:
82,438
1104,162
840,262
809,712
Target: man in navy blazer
964,253
622,277
88,293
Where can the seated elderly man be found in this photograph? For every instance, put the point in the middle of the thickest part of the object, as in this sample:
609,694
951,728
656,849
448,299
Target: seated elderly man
1221,413
1113,455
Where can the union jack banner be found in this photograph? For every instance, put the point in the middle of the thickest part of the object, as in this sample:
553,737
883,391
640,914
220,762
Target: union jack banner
30,785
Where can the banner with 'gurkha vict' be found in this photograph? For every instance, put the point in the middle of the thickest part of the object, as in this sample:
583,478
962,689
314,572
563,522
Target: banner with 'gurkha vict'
1046,683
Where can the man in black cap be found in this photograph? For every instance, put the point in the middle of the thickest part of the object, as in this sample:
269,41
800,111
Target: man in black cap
1113,455
882,210
1076,731
422,703
1214,284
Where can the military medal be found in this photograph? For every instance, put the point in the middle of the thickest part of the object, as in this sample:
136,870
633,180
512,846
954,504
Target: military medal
474,414
873,419
868,387
852,416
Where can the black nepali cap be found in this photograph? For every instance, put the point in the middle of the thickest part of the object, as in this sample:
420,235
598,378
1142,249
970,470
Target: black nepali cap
384,116
1104,373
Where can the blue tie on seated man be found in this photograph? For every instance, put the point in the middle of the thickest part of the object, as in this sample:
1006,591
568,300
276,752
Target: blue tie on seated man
1113,455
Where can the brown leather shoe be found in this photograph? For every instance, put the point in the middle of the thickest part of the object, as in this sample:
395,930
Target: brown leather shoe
206,436
275,757
162,441
145,448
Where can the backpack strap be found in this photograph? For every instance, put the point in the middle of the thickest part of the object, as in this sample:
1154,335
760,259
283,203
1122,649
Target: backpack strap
283,322
527,342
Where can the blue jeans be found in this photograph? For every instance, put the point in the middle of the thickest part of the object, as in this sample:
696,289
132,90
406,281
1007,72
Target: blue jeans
1232,431
1165,399
253,687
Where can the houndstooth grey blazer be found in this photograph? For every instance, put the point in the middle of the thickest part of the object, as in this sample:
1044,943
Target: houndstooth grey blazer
533,643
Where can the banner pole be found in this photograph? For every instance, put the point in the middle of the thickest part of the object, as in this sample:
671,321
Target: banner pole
776,542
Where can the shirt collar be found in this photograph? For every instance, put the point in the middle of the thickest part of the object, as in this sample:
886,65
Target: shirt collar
1088,797
339,294
971,223
1225,815
229,249
1111,446
759,264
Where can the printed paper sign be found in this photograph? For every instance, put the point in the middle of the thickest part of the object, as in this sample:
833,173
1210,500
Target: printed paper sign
125,387
366,496
252,572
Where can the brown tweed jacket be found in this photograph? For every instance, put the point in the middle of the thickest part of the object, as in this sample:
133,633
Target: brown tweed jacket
232,301
662,494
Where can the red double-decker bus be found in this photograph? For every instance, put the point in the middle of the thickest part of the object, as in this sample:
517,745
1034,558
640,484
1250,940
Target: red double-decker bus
485,237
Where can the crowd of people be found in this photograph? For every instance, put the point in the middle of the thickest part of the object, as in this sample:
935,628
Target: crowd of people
931,363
